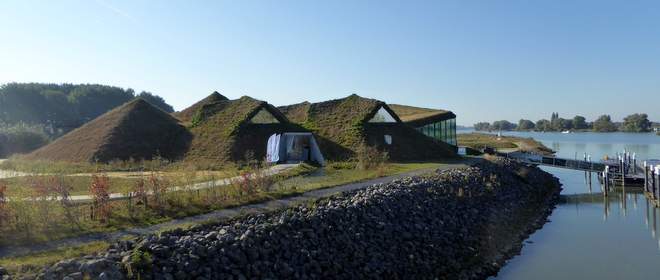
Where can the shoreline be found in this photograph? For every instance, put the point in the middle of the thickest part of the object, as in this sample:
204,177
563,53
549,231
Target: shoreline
481,216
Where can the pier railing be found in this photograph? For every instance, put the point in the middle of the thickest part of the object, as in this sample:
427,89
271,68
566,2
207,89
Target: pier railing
624,170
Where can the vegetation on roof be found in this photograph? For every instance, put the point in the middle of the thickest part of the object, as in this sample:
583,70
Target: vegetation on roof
218,126
136,130
187,114
415,114
338,120
342,126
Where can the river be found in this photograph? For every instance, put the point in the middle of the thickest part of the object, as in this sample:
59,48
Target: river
590,237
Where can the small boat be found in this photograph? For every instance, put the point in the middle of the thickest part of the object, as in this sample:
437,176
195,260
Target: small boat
566,132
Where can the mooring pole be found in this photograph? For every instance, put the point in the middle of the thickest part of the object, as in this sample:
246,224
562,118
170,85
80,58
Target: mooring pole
623,171
656,182
606,179
652,183
646,178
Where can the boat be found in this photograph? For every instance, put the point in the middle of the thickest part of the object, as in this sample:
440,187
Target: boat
566,132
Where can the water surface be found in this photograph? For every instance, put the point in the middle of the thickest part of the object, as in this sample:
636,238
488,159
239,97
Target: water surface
590,236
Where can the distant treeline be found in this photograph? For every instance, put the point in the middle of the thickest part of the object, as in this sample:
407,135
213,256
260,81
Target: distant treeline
21,138
604,123
34,103
31,114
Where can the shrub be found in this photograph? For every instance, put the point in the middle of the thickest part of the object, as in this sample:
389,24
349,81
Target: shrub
158,187
41,194
4,210
100,192
21,138
140,192
61,190
369,157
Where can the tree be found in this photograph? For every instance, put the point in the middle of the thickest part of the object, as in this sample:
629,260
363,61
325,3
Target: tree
565,124
526,125
63,106
503,125
92,101
482,126
560,124
604,124
554,122
579,122
637,123
20,138
156,101
543,125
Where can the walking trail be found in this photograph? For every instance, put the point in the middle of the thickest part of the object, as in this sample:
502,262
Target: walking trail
219,215
273,170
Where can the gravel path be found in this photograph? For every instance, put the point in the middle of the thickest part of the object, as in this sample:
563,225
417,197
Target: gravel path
11,251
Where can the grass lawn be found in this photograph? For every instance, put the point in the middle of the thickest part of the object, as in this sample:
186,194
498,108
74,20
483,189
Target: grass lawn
120,182
16,163
339,174
33,262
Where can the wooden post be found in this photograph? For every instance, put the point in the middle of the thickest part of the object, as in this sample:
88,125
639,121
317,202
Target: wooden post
646,179
656,182
652,183
623,171
606,180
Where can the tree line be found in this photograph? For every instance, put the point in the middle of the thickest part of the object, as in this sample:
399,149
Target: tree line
45,104
604,123
32,114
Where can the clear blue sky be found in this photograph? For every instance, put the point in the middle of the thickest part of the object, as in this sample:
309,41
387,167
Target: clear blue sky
485,60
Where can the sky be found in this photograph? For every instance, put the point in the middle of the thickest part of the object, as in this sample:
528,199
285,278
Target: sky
484,60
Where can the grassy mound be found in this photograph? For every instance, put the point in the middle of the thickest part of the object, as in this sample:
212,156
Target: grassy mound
223,132
136,130
342,126
187,114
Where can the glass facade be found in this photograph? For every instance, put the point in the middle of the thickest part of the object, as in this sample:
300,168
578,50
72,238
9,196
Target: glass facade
444,131
382,116
264,117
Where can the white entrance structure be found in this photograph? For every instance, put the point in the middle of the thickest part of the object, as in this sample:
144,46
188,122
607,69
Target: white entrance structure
293,147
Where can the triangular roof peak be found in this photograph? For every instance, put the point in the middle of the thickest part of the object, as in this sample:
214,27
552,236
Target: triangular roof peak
187,114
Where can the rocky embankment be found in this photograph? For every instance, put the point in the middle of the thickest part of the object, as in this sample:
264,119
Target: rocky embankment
455,224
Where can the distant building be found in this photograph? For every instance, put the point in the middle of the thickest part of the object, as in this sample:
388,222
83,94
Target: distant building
434,123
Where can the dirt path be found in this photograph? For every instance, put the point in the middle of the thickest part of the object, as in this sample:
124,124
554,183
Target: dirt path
219,215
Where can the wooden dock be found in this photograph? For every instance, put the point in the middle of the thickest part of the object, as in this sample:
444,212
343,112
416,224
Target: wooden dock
624,171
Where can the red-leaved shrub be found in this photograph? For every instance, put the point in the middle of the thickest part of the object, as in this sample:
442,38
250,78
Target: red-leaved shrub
100,192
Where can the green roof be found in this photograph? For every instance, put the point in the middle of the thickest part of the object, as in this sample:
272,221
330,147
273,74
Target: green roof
342,126
218,127
418,116
187,114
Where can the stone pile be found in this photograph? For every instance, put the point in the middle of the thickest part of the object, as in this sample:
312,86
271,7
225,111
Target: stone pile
454,224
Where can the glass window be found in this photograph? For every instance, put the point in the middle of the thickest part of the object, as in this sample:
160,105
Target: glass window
263,117
443,131
382,116
453,132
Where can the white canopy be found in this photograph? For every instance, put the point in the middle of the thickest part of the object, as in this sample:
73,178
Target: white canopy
294,147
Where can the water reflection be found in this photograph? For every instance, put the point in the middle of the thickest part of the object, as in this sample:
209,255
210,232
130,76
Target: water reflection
593,236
